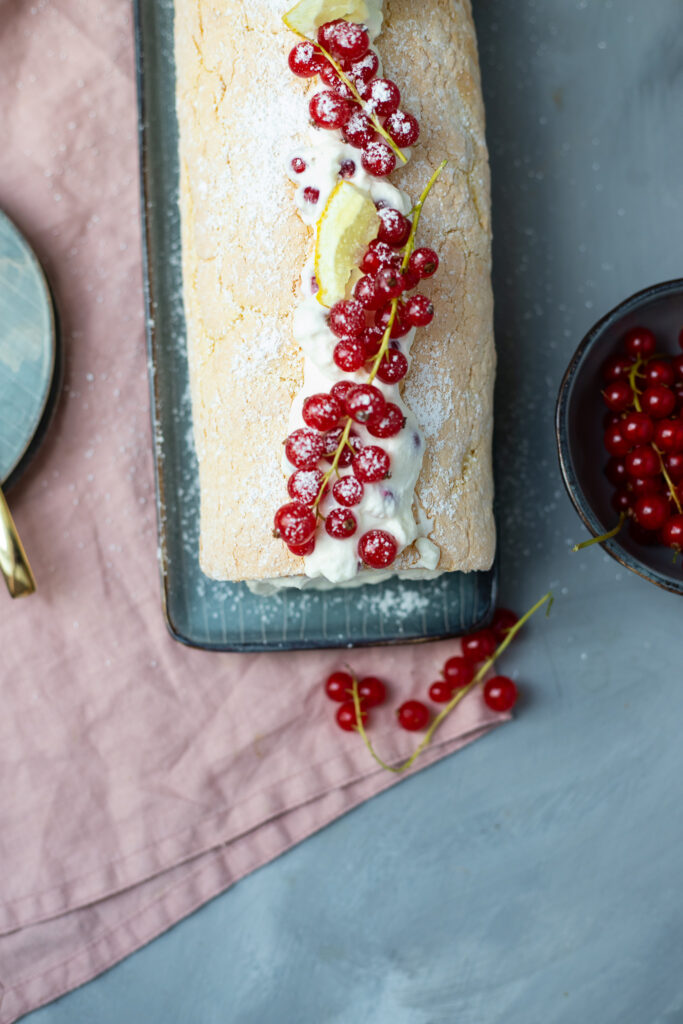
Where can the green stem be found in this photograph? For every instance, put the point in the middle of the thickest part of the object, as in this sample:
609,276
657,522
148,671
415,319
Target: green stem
667,478
398,769
410,244
603,536
632,374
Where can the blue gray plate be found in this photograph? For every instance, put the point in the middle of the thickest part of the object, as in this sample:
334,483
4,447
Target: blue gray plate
226,616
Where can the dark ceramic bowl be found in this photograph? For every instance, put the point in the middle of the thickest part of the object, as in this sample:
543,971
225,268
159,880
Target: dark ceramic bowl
579,426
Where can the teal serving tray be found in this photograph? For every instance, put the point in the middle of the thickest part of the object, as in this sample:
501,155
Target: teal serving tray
199,611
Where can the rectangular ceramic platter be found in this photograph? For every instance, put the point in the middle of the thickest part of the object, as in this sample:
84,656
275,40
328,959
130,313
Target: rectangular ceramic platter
199,611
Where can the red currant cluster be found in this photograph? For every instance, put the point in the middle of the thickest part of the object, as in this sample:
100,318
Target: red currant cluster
365,108
500,692
644,436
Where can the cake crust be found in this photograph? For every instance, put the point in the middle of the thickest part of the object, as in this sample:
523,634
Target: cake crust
241,115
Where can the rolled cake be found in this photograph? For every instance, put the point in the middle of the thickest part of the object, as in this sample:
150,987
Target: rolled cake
247,259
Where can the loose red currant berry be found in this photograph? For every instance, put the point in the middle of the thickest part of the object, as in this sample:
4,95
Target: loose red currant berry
359,130
311,195
304,448
377,158
402,128
642,461
500,693
479,646
348,40
341,523
615,440
413,715
400,326
651,511
371,464
640,342
622,500
382,97
377,549
658,401
301,550
659,371
394,227
298,165
638,428
372,340
389,424
346,716
389,283
615,471
347,319
617,367
419,311
339,686
458,672
306,60
502,622
329,110
424,262
669,435
341,389
347,169
348,491
304,485
294,523
365,68
393,366
349,354
321,411
365,293
674,466
672,532
364,401
618,395
440,692
372,692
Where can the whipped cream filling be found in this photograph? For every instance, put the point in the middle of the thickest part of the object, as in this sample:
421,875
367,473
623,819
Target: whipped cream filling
391,504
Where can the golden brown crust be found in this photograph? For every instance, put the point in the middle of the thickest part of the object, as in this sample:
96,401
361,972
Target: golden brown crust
244,247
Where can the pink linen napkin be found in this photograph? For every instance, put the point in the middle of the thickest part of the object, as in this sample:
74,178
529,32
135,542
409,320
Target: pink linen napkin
138,778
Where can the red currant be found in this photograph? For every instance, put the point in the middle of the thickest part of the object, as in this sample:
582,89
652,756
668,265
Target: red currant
640,485
294,523
479,646
618,395
365,293
311,195
301,550
329,110
371,464
424,262
298,165
347,319
347,169
615,471
500,693
348,40
363,69
658,401
622,500
359,130
400,326
419,311
440,692
393,366
341,389
642,461
389,283
413,715
346,716
349,354
394,227
339,686
382,97
372,692
638,428
304,448
388,424
326,31
672,532
306,60
651,511
659,371
616,441
674,466
378,255
502,622
669,435
377,158
377,549
341,523
402,128
372,340
640,342
304,485
331,442
321,411
348,491
617,367
364,401
459,672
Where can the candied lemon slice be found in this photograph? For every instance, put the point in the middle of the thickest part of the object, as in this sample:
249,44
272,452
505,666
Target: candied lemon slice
308,15
347,225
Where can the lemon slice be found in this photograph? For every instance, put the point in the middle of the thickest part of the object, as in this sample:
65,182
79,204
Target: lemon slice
308,15
347,225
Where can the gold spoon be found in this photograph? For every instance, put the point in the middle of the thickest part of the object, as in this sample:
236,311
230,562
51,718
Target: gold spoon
13,561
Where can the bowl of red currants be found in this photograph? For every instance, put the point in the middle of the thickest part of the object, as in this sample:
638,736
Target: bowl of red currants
619,427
